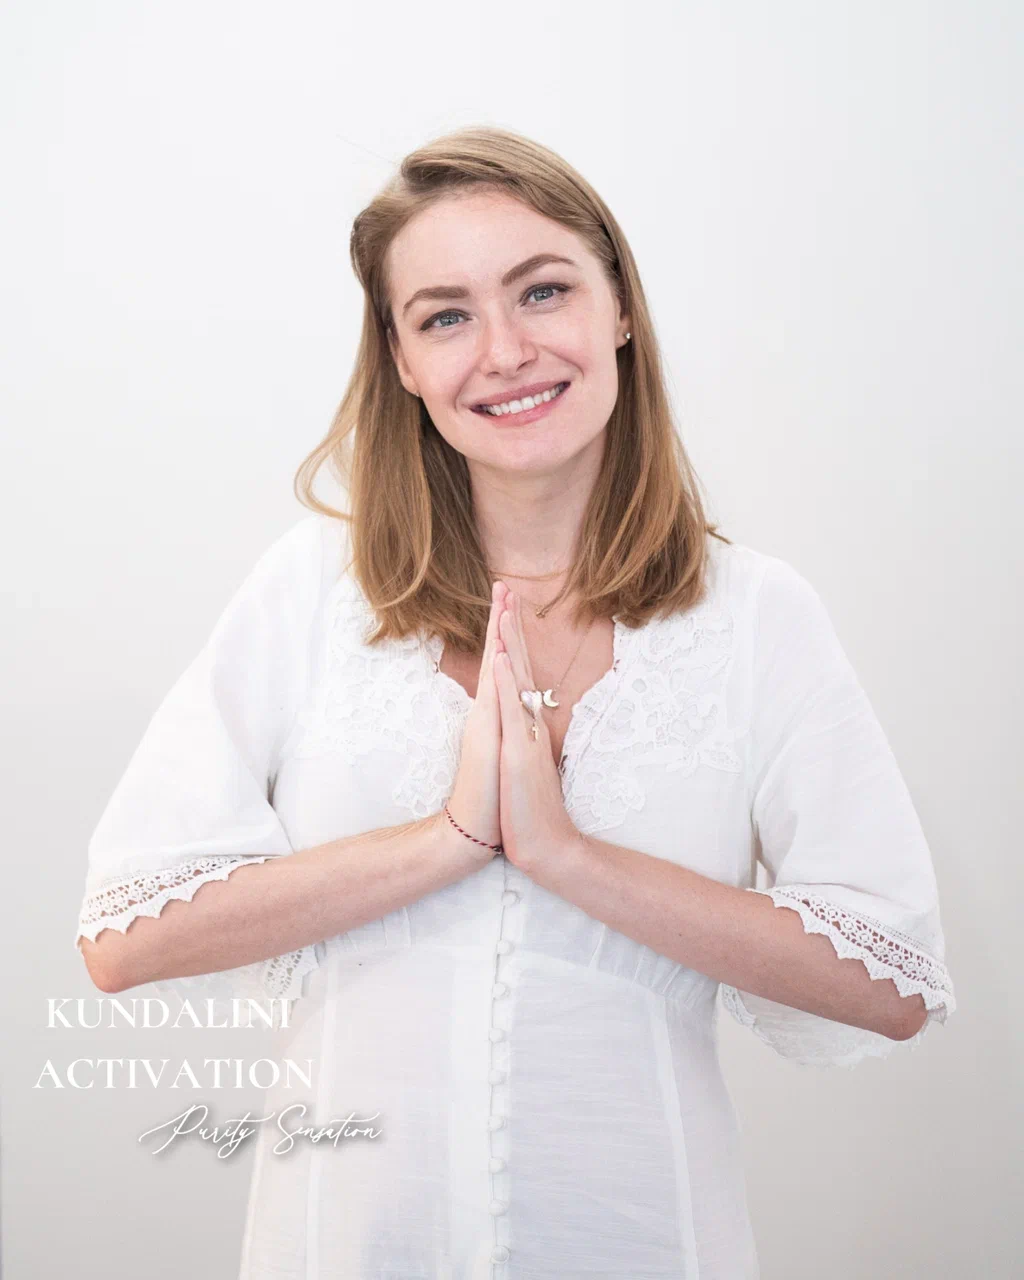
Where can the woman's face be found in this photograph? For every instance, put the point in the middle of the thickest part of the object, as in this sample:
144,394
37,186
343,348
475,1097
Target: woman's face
487,337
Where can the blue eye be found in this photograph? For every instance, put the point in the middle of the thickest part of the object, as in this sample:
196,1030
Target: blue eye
536,287
441,315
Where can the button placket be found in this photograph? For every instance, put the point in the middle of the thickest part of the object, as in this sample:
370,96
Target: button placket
497,1077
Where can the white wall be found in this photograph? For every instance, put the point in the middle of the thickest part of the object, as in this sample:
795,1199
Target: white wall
825,202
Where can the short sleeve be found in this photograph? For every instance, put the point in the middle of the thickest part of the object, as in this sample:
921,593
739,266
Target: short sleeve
836,828
195,801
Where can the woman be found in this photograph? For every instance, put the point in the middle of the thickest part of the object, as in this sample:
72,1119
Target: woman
482,771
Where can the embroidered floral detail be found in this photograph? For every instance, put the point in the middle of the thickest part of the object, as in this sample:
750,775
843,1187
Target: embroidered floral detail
810,1040
116,904
367,698
662,702
668,708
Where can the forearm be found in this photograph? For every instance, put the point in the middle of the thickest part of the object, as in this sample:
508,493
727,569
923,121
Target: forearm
269,908
737,938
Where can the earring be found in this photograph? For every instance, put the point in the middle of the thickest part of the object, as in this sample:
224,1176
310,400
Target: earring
628,336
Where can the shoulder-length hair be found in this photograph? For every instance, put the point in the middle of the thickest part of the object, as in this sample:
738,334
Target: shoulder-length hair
415,550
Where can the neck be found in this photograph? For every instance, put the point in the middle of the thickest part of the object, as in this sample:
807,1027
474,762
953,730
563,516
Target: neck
529,524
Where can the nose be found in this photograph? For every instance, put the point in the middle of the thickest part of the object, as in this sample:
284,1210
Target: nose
505,343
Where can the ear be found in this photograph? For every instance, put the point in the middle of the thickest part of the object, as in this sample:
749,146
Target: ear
624,327
401,365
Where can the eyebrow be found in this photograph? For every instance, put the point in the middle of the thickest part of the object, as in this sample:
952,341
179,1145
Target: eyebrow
441,292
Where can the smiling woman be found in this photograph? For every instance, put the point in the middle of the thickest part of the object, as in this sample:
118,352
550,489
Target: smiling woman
516,332
535,298
509,914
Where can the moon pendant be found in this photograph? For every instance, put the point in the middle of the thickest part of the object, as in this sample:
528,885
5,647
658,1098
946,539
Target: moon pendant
548,699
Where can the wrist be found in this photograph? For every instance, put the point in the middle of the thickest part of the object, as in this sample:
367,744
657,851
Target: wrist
564,862
459,843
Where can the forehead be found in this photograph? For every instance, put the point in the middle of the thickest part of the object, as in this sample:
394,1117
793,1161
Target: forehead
473,239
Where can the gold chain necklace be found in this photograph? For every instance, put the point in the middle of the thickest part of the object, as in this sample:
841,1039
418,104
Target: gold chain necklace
548,696
541,612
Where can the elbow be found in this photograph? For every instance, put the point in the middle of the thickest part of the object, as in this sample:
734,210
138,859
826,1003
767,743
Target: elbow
104,967
909,1019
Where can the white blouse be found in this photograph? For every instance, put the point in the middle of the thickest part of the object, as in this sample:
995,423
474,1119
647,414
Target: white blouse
548,1090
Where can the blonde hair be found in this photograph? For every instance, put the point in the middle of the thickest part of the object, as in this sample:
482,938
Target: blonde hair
415,547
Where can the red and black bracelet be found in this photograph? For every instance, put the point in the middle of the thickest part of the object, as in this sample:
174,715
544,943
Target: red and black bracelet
496,847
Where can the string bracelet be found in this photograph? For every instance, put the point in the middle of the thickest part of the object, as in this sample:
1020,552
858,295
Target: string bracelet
496,847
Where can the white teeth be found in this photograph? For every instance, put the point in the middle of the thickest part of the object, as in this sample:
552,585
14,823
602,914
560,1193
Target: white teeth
528,402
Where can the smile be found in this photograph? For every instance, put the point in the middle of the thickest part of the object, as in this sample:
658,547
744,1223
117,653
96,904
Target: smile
527,405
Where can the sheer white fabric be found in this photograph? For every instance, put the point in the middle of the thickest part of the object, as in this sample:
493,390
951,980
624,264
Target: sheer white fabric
194,802
835,828
548,1090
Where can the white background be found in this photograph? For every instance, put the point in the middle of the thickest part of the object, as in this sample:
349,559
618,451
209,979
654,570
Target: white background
825,203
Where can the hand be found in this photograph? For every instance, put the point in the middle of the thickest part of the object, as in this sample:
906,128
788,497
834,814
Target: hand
474,799
534,821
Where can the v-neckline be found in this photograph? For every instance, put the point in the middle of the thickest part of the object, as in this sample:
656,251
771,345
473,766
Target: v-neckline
589,699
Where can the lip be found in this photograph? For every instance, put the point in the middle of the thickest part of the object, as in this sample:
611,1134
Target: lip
525,416
531,389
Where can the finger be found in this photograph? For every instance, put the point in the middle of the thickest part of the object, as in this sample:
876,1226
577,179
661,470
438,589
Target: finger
527,665
510,635
529,682
498,590
513,706
514,717
521,669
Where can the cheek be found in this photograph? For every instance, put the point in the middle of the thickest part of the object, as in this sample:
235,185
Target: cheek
597,366
448,376
575,338
439,397
581,344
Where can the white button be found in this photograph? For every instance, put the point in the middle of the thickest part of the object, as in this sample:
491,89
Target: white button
497,1206
499,989
495,1164
500,1254
503,947
495,1122
496,1034
509,896
495,1076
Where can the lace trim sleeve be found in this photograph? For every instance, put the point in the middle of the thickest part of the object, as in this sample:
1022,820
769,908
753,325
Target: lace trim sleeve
115,904
810,1040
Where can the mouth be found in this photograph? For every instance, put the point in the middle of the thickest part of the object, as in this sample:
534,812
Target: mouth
529,409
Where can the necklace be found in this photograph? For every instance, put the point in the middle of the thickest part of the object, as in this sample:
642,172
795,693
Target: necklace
542,611
548,696
527,577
